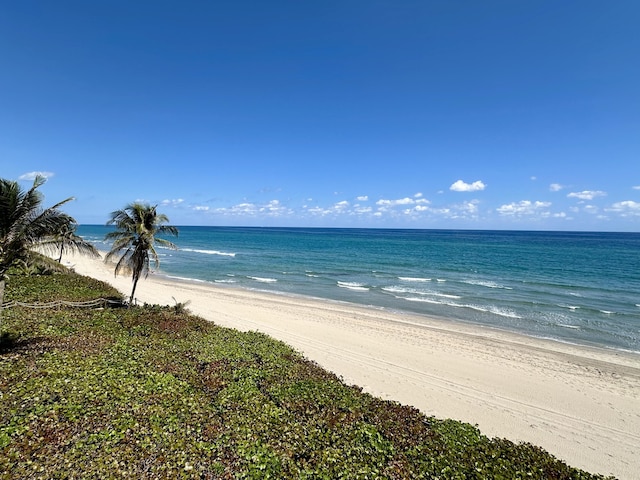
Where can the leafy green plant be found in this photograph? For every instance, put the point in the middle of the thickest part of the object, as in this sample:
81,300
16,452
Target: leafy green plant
66,286
152,392
25,226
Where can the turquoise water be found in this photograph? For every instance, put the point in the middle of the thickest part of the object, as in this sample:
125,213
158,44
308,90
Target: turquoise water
574,287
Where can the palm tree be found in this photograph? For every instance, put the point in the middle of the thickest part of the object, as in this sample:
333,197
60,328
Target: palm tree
25,225
66,240
135,237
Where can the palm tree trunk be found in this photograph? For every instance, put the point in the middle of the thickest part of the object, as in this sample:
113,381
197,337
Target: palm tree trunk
2,284
135,284
61,250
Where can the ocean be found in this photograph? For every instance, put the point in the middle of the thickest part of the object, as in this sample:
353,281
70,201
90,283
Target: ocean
576,287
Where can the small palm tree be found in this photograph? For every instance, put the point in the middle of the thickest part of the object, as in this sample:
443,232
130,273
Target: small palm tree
66,240
25,225
135,237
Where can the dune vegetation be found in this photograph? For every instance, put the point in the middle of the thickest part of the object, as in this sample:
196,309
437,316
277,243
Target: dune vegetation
154,392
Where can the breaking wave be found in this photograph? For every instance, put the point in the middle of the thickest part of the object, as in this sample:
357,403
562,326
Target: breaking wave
209,252
358,287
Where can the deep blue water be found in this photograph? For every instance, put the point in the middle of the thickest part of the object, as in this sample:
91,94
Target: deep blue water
569,286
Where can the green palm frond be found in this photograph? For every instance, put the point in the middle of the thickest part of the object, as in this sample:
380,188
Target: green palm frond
65,240
25,225
134,239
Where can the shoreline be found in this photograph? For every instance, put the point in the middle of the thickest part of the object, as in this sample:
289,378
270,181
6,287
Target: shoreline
424,318
578,402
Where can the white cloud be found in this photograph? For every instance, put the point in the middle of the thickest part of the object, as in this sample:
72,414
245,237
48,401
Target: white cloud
420,207
592,209
524,207
275,209
395,203
636,187
469,207
465,210
444,211
362,210
317,211
339,208
413,206
628,208
33,175
587,194
461,186
272,208
242,208
173,202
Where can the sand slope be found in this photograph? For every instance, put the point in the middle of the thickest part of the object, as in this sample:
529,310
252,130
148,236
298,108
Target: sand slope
580,404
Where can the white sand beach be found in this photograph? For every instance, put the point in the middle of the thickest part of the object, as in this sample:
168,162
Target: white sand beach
581,404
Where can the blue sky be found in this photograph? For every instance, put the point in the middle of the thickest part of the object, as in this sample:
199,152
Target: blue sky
349,113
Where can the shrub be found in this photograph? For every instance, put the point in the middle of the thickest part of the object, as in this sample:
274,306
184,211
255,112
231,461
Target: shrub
153,392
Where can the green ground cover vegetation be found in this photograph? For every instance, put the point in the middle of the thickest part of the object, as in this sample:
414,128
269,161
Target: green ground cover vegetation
153,392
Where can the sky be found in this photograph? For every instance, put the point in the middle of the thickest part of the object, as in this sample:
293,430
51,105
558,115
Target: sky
521,115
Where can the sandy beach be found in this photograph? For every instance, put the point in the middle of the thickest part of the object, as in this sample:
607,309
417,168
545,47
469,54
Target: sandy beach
581,404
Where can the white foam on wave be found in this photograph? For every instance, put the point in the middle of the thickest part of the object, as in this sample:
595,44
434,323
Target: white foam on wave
188,279
440,280
209,252
573,308
263,279
573,327
607,312
425,300
414,291
225,281
487,283
444,295
503,312
414,279
397,289
312,275
358,287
